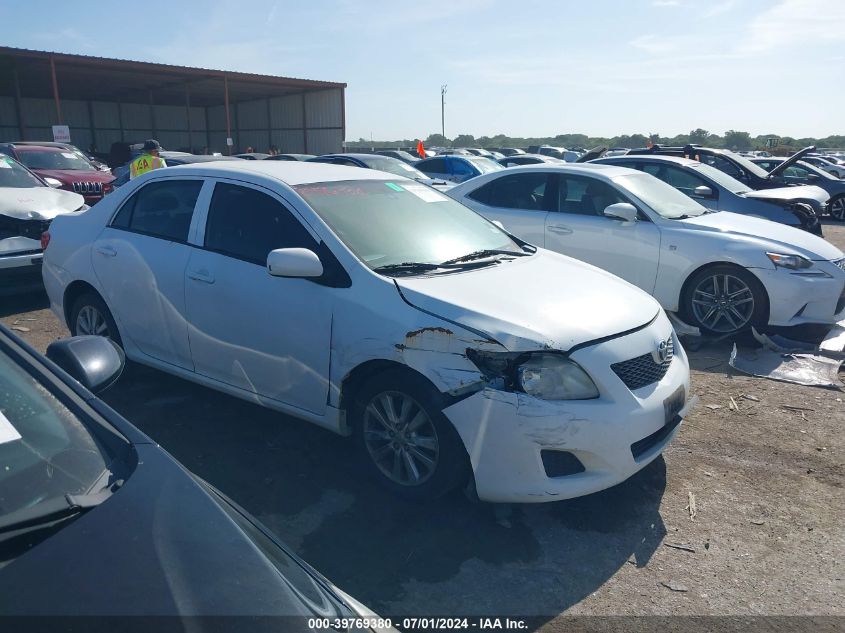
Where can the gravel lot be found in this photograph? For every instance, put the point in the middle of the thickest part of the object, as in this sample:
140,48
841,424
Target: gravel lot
767,536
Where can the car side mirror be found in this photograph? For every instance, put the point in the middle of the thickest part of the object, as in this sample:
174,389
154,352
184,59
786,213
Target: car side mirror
53,182
499,224
94,361
622,211
703,191
294,262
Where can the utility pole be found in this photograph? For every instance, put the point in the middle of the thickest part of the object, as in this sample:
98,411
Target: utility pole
443,110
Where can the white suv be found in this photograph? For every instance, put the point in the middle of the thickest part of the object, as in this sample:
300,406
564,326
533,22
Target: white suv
379,308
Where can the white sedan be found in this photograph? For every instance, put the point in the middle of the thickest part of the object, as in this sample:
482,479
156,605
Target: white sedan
722,272
379,308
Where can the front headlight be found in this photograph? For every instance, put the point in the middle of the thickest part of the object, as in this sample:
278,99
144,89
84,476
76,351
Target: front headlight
793,262
553,377
542,375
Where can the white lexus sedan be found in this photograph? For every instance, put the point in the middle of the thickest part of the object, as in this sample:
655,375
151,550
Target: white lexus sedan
379,308
722,272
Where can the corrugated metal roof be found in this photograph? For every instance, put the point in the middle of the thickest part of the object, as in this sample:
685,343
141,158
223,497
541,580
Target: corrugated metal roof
102,78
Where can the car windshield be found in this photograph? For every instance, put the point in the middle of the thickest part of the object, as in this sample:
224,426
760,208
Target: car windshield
390,223
43,159
664,199
45,450
721,178
393,166
15,176
484,165
747,165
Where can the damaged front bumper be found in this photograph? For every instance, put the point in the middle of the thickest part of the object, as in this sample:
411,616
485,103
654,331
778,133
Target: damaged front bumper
521,448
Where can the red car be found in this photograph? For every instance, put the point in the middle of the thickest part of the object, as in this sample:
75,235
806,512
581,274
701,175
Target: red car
74,171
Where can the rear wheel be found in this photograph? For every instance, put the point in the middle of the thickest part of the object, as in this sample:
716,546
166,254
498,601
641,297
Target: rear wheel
406,441
91,316
837,208
725,299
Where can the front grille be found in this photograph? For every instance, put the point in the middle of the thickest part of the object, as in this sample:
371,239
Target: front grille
88,188
16,227
840,263
644,370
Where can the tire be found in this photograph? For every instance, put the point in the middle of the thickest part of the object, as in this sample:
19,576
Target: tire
745,304
396,442
90,315
837,208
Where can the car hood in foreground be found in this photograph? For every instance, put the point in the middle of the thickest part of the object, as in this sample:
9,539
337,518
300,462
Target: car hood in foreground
796,194
768,234
160,545
37,203
545,301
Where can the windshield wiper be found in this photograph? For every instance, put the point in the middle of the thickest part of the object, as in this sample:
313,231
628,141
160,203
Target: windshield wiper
410,268
50,511
488,252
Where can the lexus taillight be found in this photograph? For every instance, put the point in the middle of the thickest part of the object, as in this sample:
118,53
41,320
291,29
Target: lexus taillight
45,240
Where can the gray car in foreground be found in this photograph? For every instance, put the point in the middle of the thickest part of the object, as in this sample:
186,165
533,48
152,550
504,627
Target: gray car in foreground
714,189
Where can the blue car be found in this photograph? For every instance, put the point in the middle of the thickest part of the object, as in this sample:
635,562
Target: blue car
456,168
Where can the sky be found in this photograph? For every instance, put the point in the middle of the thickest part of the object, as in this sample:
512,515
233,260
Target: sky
516,67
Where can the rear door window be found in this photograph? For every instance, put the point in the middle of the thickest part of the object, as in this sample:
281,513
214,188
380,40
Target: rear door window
247,224
160,209
516,191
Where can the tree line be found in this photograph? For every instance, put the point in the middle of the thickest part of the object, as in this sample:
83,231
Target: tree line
732,139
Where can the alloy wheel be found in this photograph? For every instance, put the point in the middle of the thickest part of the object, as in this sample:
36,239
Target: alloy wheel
400,438
91,321
723,303
837,208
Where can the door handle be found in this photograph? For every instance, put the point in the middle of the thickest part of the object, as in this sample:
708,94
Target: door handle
107,251
559,228
201,275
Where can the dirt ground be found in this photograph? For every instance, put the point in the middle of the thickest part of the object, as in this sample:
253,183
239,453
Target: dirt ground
766,538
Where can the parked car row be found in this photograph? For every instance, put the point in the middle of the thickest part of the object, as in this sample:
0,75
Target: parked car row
506,335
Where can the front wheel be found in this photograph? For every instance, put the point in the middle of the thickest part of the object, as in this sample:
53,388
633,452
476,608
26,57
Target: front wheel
725,299
837,208
404,438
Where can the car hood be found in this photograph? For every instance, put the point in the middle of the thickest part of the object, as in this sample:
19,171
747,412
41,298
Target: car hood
795,194
161,545
75,175
768,234
545,301
37,203
791,160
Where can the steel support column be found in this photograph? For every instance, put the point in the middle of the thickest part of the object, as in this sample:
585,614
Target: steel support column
228,120
55,89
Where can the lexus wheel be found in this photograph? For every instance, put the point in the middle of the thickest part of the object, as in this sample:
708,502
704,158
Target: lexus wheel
725,299
837,208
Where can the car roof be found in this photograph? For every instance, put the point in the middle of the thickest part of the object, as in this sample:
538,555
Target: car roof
586,169
291,173
662,158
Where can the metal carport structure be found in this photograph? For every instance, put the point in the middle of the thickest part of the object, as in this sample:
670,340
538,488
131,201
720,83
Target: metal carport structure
106,100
